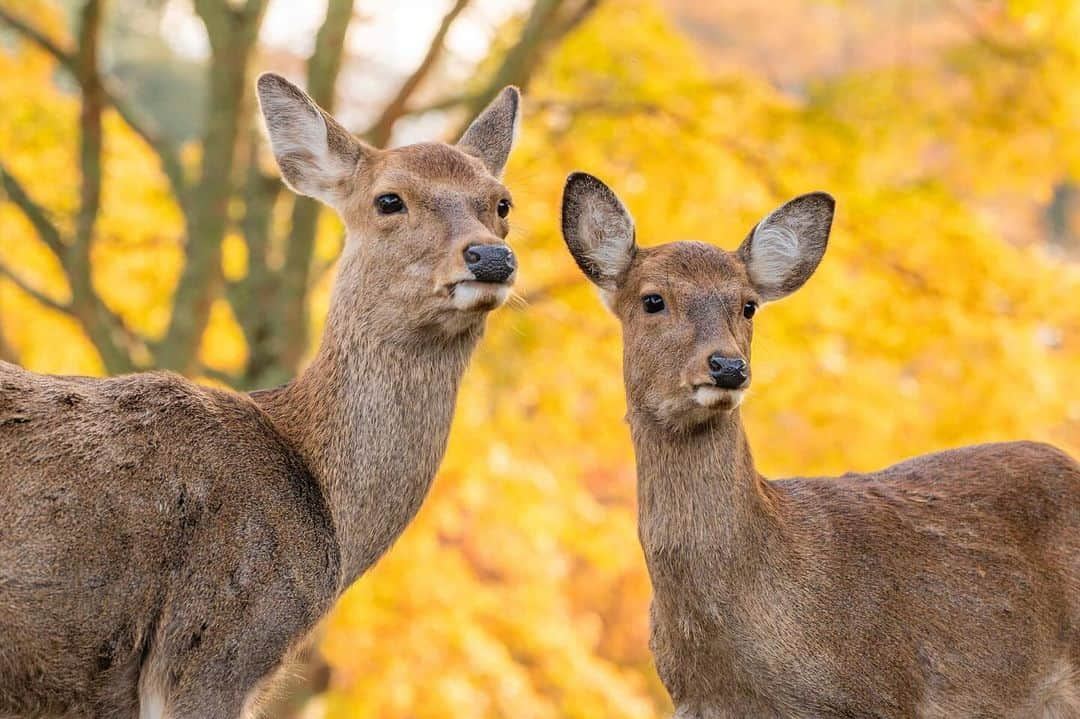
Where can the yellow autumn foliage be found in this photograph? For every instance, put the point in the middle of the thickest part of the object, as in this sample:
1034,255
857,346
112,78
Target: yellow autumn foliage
936,319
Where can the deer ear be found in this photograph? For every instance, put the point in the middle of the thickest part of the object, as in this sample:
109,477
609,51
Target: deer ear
785,248
317,156
598,230
491,135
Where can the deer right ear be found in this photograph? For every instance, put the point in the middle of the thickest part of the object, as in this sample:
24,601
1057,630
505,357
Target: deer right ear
598,230
317,156
491,135
785,248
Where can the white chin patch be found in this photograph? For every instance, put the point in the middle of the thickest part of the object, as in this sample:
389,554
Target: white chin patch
715,396
472,296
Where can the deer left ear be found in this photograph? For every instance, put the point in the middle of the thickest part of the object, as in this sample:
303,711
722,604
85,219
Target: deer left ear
598,230
785,248
491,135
316,155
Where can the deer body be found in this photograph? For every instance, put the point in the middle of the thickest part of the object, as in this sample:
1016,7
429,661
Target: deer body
891,594
944,586
129,557
166,546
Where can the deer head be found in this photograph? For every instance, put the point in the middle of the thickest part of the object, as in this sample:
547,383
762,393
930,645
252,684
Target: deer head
426,223
687,308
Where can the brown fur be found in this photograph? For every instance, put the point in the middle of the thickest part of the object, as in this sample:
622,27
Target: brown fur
944,586
165,546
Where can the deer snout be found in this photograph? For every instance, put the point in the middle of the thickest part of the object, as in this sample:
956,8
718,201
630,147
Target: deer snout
728,372
490,263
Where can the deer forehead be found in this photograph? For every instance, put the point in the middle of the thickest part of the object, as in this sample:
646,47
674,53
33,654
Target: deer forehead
688,269
435,162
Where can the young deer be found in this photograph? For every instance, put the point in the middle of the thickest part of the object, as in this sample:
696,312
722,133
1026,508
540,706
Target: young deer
944,586
166,545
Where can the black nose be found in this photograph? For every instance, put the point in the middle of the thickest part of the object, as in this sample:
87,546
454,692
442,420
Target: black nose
490,263
727,372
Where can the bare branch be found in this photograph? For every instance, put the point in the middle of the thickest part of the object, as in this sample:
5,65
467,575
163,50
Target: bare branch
114,96
146,128
104,327
985,36
379,133
324,65
232,36
90,130
272,305
446,103
575,17
35,213
38,38
35,293
544,28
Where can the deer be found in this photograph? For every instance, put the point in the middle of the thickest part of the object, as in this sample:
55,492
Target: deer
166,546
947,585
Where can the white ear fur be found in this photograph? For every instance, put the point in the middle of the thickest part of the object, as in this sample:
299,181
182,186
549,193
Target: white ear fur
785,248
598,230
315,154
607,297
776,250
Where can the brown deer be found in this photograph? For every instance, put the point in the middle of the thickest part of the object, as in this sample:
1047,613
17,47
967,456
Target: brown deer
944,586
165,546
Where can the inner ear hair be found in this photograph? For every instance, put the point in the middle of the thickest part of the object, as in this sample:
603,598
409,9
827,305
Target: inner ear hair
598,230
492,134
315,154
784,249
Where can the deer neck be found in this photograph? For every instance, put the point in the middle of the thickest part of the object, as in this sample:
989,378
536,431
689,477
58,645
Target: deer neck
371,415
702,506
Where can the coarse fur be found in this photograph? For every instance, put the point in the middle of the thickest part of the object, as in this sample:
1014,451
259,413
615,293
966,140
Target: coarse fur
167,546
944,586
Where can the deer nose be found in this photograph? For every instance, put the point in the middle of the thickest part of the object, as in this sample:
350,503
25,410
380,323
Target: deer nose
490,263
728,372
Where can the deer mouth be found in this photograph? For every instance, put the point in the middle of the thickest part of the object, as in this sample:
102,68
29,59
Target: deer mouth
712,397
476,296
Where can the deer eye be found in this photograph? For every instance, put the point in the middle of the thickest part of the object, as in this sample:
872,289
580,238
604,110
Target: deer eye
652,303
503,208
389,204
749,309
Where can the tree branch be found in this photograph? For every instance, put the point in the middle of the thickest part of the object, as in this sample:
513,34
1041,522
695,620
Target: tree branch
252,296
115,97
144,126
445,103
104,327
323,68
379,133
232,36
543,29
35,213
90,133
38,38
36,294
273,305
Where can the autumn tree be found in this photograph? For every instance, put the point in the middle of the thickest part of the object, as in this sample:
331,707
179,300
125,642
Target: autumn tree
217,184
944,312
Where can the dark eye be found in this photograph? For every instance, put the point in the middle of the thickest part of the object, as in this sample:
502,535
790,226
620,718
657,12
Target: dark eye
389,204
749,309
503,208
652,303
